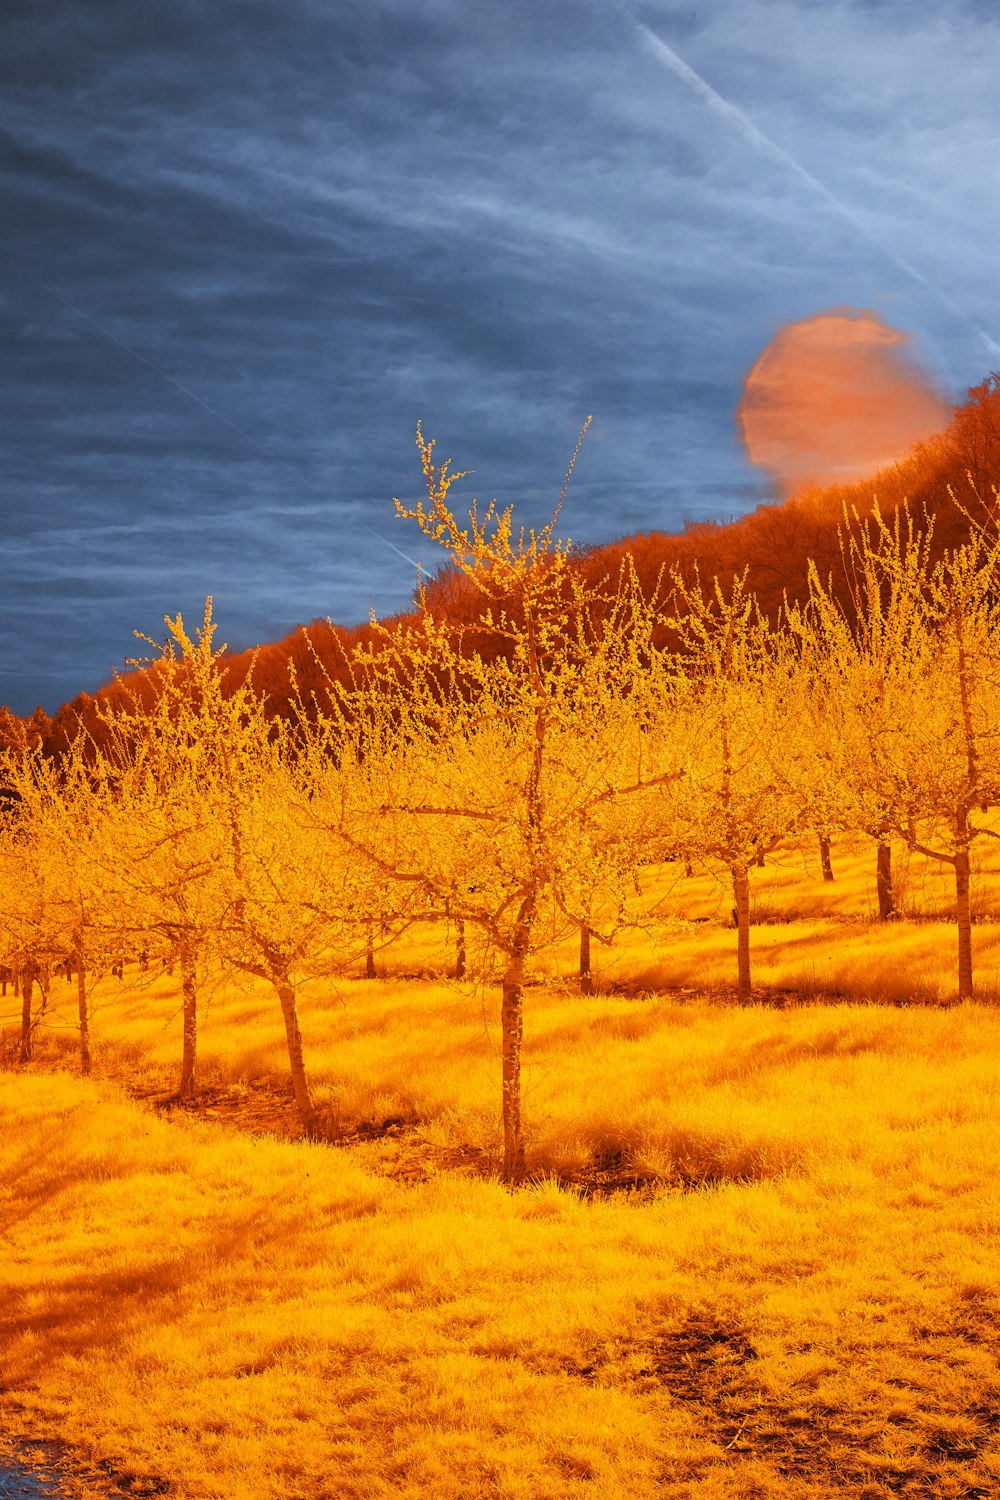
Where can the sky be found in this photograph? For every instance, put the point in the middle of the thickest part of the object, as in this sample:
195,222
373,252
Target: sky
246,246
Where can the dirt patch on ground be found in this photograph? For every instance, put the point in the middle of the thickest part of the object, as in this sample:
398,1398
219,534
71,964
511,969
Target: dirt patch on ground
259,1106
393,1147
715,1371
398,1148
611,1174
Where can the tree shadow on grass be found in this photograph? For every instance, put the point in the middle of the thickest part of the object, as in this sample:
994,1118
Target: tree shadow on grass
84,1310
778,1054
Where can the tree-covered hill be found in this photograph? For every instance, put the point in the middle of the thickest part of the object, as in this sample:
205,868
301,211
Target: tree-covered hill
951,477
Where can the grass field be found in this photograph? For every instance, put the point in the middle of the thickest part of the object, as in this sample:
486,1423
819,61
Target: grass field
758,1256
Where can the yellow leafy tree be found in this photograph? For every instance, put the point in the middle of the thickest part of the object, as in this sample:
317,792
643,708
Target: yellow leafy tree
915,683
162,823
480,770
59,853
34,923
736,705
866,661
222,861
293,899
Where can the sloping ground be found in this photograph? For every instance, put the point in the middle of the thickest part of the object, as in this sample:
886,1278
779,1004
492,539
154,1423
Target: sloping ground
219,1316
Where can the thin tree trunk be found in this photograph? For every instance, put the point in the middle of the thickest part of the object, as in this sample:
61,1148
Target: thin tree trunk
512,1024
27,979
296,1062
189,989
370,953
964,912
883,882
741,892
81,1000
586,981
824,857
460,949
512,1027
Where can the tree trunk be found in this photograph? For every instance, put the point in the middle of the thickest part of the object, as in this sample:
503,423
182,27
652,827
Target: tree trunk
824,857
741,892
512,1023
296,1062
460,949
883,882
27,979
370,953
586,981
964,912
81,999
189,989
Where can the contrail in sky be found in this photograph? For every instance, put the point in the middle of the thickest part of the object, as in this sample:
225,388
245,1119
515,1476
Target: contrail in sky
191,395
745,127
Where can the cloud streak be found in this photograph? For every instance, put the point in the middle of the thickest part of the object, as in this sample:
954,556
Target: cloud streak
755,137
184,390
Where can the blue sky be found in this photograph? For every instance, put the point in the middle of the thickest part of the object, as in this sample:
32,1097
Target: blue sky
317,223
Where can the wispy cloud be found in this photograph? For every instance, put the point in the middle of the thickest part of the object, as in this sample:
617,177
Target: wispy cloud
254,245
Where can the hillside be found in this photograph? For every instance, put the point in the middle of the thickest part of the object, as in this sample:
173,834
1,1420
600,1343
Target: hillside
951,478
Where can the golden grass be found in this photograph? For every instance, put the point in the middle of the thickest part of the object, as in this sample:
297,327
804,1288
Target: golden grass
249,1317
802,1301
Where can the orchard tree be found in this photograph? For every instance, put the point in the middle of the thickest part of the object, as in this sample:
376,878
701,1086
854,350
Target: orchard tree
295,903
953,759
61,820
34,901
479,769
242,877
737,706
866,657
161,745
915,679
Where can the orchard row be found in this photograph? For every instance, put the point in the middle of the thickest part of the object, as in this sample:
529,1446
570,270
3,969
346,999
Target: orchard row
513,791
